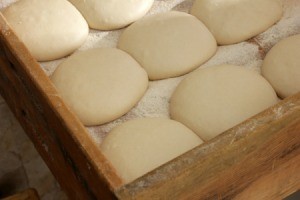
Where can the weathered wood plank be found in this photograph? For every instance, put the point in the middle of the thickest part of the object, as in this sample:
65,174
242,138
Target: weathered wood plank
279,183
232,163
57,134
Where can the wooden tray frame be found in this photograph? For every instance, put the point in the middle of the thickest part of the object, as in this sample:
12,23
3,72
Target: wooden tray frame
257,159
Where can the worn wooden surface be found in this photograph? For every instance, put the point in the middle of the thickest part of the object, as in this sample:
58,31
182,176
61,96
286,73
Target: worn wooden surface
258,159
279,183
29,194
59,137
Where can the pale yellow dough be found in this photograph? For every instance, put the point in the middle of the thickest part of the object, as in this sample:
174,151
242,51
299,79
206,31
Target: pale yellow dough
233,21
112,14
139,146
50,29
100,85
209,101
281,66
168,44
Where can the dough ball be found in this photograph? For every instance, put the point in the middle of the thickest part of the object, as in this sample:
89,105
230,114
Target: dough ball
233,21
50,29
209,101
100,85
281,66
139,146
168,44
112,14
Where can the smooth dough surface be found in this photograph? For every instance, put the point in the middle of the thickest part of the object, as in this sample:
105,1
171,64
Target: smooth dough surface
281,66
168,44
233,21
50,29
139,146
100,85
209,101
112,14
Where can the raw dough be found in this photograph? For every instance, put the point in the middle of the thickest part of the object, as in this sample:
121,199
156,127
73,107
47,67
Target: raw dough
50,29
112,14
233,21
212,100
281,66
139,146
168,44
100,85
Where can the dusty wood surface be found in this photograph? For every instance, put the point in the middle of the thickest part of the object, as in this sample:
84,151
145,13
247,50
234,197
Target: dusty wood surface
59,137
263,151
29,194
279,183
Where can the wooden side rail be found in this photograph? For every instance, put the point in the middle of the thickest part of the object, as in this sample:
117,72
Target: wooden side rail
57,134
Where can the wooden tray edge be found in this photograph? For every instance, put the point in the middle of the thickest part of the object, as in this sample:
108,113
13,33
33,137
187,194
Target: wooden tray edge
66,140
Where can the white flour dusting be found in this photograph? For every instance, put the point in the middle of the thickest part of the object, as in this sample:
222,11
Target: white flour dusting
5,3
155,102
287,26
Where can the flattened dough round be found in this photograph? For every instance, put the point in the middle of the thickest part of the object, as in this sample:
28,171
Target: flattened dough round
281,66
233,21
168,44
212,100
100,85
112,14
139,146
50,29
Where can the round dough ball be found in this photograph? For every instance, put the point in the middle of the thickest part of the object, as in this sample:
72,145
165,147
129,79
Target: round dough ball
233,21
168,44
100,85
139,146
50,29
281,66
211,100
112,14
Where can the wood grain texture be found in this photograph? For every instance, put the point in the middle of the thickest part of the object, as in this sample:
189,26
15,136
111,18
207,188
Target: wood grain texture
235,164
57,134
279,183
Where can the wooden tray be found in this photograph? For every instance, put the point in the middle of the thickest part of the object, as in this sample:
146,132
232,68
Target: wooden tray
258,159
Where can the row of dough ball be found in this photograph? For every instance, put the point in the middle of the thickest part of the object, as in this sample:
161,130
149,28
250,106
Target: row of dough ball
208,101
52,29
117,82
101,85
54,34
113,70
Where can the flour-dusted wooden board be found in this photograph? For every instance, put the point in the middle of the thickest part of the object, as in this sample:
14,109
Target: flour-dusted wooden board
258,159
